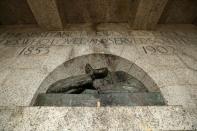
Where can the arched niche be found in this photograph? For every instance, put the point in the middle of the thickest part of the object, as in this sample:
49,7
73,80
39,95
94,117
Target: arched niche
75,67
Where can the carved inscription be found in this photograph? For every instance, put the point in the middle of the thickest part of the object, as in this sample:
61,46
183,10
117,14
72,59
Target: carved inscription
16,43
158,49
63,41
84,41
35,43
64,34
33,50
117,41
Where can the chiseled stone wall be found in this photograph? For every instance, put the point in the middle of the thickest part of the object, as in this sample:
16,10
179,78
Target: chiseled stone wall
169,58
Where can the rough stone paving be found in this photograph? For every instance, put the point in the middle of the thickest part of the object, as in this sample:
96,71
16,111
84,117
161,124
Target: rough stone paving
169,58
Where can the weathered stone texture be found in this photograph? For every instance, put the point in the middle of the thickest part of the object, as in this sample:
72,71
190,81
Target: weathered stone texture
96,11
179,12
147,13
46,14
13,12
116,118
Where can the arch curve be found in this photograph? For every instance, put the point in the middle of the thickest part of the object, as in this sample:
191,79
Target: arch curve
75,67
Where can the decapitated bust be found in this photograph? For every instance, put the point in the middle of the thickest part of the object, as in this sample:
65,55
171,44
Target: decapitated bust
97,80
109,88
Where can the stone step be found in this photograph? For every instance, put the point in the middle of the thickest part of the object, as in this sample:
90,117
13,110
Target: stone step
94,118
105,99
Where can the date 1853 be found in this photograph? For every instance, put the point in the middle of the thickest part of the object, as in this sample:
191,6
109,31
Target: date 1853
34,50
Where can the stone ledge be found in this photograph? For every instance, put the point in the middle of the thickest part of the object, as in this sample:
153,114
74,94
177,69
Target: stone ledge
89,118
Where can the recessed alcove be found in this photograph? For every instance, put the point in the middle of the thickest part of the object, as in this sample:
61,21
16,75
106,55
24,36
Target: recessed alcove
125,84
